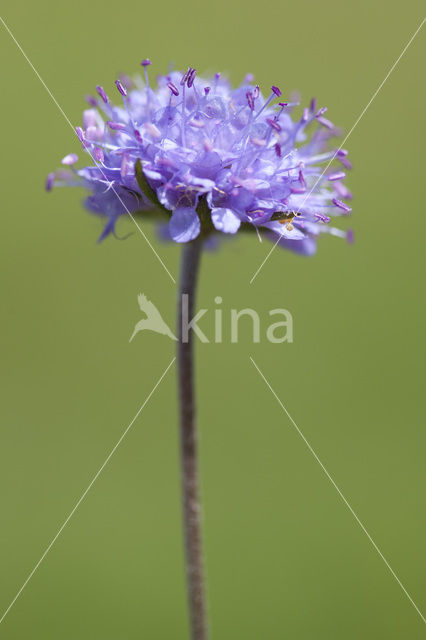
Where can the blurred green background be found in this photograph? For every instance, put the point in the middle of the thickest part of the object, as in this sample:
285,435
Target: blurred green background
285,558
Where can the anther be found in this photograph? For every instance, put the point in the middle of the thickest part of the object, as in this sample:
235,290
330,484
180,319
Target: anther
276,90
173,88
49,181
250,100
102,94
138,136
91,100
116,126
70,159
98,154
121,88
338,175
341,205
274,124
190,78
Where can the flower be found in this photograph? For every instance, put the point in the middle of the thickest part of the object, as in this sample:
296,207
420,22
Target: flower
212,159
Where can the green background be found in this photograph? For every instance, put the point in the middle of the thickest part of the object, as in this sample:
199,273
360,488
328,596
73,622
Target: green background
285,557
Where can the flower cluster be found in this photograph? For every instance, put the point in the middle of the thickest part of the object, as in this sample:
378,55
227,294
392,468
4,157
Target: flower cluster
212,158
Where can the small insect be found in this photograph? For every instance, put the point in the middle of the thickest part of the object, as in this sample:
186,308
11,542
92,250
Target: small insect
286,217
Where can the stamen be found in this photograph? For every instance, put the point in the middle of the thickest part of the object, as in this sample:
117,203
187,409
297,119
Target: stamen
49,181
250,100
98,154
173,88
256,92
125,165
321,112
102,94
325,123
138,136
207,90
277,148
322,218
274,124
339,175
341,205
350,236
80,133
70,159
191,77
275,92
121,88
116,126
145,64
91,100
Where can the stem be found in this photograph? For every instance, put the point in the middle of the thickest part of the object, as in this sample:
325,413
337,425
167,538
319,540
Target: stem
191,254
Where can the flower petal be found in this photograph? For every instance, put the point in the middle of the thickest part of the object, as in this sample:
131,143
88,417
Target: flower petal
225,220
184,224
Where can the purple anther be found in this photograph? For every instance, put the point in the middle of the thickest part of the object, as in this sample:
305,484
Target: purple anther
341,153
207,90
325,123
91,100
274,124
277,148
116,126
102,93
256,92
121,88
98,154
276,90
191,77
173,88
322,218
321,112
146,62
283,104
70,159
345,162
80,133
341,205
350,236
49,181
185,76
250,100
313,105
338,175
138,136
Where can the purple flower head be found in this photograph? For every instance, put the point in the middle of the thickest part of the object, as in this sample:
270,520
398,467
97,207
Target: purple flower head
208,158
